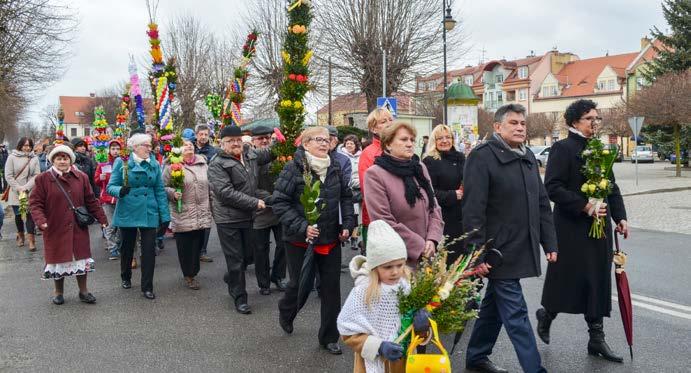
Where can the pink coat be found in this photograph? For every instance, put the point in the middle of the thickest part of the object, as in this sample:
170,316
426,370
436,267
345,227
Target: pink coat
386,200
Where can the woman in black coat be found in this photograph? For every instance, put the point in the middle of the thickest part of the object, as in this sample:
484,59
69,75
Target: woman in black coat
579,282
335,223
445,166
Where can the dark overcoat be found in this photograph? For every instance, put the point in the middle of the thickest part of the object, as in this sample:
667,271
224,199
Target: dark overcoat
337,214
580,281
505,199
64,240
446,174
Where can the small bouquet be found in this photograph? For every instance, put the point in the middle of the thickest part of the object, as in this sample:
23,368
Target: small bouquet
23,204
444,291
309,199
177,173
596,171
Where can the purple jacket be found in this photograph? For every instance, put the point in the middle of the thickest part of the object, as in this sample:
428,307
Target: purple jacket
385,200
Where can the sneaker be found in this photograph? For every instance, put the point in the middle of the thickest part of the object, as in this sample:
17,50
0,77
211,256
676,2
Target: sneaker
206,259
114,257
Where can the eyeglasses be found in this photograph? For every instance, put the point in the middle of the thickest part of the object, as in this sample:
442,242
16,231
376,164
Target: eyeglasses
441,138
596,120
267,137
145,145
321,140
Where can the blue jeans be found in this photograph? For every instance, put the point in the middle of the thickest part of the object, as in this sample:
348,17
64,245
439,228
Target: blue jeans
504,305
2,218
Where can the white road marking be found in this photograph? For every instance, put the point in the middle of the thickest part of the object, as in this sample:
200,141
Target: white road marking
659,309
661,302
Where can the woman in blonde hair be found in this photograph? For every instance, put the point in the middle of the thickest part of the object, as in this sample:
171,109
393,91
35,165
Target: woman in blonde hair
335,223
369,321
377,121
445,166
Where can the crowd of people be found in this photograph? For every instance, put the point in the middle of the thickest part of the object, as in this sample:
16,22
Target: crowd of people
381,199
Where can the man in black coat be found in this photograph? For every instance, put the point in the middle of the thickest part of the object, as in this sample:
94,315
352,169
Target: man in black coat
580,282
266,222
233,181
505,200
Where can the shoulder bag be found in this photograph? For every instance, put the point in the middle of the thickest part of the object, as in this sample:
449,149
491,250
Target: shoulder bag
81,214
6,194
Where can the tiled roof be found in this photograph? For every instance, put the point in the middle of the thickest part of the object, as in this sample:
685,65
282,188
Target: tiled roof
580,77
357,103
71,105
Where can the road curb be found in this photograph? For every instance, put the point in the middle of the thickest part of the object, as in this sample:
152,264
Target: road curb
657,191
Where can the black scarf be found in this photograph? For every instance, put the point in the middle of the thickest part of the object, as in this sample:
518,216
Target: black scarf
409,171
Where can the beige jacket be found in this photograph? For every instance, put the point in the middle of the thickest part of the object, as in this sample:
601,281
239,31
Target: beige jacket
356,343
196,207
23,181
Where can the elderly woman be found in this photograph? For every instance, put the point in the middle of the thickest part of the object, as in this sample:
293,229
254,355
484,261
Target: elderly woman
142,207
334,226
190,224
399,191
21,170
66,243
445,166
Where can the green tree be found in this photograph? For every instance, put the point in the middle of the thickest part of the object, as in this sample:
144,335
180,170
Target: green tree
674,55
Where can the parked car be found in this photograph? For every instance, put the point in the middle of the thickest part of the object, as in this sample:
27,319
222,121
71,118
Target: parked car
644,153
541,154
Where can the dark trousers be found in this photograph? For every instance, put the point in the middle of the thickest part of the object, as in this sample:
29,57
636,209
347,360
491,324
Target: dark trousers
277,271
237,247
207,232
504,305
329,269
30,226
148,260
189,246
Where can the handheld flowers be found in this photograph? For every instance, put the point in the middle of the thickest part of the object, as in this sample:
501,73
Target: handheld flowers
177,173
597,186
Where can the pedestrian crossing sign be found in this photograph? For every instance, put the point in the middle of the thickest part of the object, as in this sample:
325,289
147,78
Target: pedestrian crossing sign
388,103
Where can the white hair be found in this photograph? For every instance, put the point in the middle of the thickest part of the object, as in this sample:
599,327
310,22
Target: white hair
138,139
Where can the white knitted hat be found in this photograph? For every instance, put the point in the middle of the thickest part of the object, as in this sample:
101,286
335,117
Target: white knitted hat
62,148
383,244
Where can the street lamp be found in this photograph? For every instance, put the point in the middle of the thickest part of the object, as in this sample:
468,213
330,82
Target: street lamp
449,24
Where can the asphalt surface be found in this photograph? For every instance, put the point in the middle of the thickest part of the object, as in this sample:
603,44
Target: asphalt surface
199,331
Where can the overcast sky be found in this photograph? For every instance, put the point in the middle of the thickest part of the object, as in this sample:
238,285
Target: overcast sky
110,31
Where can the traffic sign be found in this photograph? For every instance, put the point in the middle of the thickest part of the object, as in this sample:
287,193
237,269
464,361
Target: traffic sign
388,103
636,123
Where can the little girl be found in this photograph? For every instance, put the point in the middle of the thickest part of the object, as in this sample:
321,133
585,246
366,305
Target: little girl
369,321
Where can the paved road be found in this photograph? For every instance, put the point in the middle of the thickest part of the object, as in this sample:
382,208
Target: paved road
185,330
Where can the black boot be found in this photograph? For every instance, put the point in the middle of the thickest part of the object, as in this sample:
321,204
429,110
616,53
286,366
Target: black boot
597,345
544,321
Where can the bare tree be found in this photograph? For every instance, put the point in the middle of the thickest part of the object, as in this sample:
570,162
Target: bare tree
537,126
189,43
34,44
429,104
614,122
355,33
666,102
485,121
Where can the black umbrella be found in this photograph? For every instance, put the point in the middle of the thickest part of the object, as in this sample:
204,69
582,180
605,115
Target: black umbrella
494,258
307,275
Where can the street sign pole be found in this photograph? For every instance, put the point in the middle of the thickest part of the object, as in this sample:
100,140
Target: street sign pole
636,123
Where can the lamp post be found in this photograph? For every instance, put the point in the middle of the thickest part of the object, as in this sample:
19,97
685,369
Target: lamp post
449,23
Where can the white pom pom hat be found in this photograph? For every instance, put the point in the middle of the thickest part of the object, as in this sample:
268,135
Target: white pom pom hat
383,244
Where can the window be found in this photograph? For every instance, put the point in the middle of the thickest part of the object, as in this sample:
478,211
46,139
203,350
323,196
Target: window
610,85
78,114
500,96
522,72
73,132
522,94
640,83
601,85
550,91
468,79
500,78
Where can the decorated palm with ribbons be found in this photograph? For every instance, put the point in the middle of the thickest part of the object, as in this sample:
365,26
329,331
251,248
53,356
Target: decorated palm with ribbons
177,171
296,56
231,113
101,135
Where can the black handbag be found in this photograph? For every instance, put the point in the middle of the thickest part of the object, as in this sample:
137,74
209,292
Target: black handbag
81,214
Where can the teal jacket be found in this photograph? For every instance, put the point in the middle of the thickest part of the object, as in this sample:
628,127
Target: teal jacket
146,205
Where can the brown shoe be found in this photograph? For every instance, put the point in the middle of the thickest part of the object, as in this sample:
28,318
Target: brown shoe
20,239
134,263
192,283
206,259
32,241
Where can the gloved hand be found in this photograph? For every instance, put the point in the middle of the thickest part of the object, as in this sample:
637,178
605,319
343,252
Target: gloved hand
421,321
164,225
124,190
390,351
